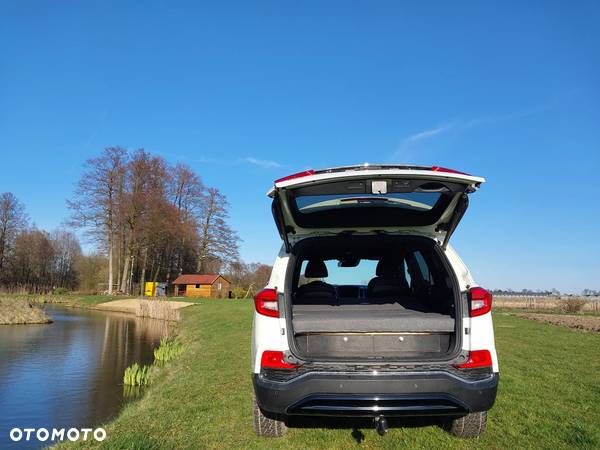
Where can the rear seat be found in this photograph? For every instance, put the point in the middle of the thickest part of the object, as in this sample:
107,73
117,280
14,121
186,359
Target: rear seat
316,292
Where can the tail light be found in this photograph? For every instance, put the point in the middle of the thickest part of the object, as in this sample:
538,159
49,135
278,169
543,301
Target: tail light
477,359
306,173
481,301
265,303
272,359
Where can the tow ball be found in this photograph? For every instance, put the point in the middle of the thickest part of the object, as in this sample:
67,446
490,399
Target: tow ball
381,425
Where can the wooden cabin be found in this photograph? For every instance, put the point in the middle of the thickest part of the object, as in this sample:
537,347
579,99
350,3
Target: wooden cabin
192,285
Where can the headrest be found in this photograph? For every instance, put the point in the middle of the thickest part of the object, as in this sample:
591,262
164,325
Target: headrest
315,269
389,268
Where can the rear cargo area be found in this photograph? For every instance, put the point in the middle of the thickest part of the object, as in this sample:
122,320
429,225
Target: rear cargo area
372,297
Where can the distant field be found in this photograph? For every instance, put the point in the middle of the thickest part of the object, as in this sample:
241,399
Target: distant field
588,322
589,304
548,395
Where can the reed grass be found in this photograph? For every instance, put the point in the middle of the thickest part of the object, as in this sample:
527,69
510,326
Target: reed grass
169,349
157,309
136,375
16,310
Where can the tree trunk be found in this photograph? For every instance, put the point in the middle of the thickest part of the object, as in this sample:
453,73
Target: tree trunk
130,281
143,276
157,270
125,277
118,268
110,265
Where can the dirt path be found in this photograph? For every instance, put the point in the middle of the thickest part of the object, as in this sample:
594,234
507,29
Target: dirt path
131,305
589,323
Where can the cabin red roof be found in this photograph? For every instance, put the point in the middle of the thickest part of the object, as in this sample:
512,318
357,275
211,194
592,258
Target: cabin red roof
196,279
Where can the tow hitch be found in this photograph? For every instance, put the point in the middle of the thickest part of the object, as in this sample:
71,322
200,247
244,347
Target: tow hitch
381,425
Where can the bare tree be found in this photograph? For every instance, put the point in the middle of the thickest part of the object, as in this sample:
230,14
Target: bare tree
217,240
248,278
158,220
33,261
186,190
67,252
96,199
91,270
12,220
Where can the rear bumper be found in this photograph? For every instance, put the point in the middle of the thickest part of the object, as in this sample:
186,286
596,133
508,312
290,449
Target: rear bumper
368,395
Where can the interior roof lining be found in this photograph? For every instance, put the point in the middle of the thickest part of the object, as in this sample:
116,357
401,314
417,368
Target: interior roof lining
364,247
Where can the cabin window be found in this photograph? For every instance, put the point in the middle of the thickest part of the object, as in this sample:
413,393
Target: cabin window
197,286
219,286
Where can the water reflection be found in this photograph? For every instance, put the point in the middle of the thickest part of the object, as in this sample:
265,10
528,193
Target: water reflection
69,373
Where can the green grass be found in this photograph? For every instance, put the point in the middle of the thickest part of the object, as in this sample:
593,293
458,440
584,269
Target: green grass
548,397
68,299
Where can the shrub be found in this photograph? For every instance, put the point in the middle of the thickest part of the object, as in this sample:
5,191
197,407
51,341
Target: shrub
169,349
238,292
571,304
136,375
60,291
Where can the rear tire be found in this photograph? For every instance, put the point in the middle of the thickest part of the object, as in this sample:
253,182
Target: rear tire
470,426
265,426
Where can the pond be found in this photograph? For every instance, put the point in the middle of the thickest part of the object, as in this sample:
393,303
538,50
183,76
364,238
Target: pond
69,374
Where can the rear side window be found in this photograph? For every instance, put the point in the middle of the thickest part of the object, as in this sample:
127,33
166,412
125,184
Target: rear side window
336,275
423,267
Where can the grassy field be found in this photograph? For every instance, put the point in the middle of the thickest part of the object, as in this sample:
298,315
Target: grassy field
548,397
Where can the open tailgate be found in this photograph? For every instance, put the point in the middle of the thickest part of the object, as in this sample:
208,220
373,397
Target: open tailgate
371,199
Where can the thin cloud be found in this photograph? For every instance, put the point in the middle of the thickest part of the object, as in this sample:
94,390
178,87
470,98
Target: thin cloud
427,134
202,159
265,163
406,145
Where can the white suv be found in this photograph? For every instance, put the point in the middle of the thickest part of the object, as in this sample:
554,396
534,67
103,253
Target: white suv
369,312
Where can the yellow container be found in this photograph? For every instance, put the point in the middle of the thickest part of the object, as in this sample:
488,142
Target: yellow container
150,289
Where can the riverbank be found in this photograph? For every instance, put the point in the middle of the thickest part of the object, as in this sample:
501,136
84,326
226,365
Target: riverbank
167,309
18,311
203,399
70,372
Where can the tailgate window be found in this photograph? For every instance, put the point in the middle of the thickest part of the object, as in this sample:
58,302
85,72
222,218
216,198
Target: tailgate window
417,201
371,203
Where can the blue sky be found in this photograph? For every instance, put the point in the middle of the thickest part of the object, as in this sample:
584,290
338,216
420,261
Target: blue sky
248,92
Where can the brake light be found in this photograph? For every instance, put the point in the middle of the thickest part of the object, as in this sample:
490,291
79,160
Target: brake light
265,303
306,173
477,359
446,170
481,301
272,359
